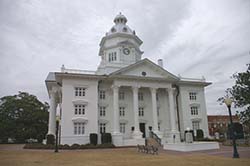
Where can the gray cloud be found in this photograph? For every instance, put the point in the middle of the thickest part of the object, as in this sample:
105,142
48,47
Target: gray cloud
194,38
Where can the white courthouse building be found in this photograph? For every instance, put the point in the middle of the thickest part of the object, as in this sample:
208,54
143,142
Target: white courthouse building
126,96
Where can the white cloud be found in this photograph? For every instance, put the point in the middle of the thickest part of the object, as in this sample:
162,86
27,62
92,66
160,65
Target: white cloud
195,38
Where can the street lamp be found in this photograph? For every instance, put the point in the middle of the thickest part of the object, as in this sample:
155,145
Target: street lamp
228,102
57,128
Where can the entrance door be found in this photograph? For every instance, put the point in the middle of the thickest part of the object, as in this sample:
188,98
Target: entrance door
142,129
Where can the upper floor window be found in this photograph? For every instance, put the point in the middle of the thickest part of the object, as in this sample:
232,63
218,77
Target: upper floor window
102,127
122,127
192,95
102,111
141,111
79,91
102,94
196,125
140,96
158,111
112,56
121,95
122,111
157,96
79,128
194,110
79,109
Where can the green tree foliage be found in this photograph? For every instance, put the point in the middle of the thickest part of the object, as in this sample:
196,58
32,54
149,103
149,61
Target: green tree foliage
22,117
240,93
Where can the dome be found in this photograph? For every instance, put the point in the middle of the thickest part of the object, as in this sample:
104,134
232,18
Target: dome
120,26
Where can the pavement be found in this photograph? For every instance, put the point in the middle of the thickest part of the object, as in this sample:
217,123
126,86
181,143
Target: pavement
224,151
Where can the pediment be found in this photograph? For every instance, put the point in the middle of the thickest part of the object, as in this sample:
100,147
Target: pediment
145,68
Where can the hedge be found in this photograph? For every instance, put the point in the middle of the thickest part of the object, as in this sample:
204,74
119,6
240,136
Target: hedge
93,138
106,138
50,139
67,147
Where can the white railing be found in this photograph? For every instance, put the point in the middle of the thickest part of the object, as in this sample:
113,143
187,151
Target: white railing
76,71
192,79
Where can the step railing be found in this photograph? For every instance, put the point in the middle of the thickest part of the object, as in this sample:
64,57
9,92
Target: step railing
155,136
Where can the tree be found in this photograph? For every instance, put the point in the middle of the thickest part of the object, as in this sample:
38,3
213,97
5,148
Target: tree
23,116
240,94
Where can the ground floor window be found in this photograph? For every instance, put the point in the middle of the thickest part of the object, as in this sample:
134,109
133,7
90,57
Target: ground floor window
159,126
122,127
102,128
196,125
79,128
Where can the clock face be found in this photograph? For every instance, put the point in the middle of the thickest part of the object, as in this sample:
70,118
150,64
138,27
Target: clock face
126,51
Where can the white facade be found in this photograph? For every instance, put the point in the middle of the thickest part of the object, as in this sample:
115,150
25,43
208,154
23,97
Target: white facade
126,96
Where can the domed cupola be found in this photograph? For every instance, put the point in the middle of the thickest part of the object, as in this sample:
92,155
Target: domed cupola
120,26
119,48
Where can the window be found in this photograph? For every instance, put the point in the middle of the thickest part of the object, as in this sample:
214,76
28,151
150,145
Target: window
102,94
157,96
79,128
141,111
122,111
158,111
79,109
159,126
196,125
102,127
121,95
122,127
112,56
194,110
102,111
79,91
192,95
140,96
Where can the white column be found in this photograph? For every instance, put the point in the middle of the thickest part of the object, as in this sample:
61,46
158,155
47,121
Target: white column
115,108
52,113
135,108
171,108
154,109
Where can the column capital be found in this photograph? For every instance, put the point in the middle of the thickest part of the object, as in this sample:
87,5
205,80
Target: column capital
115,87
153,89
170,89
135,88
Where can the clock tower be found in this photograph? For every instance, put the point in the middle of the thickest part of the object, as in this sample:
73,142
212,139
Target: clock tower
119,48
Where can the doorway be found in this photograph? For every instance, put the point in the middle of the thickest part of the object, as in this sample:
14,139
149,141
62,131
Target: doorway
142,129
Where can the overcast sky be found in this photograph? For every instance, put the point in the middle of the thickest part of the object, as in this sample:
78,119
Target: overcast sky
195,38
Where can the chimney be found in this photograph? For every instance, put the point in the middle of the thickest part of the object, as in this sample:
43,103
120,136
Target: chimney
160,62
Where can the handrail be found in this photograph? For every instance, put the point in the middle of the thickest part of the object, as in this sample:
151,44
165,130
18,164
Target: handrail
155,136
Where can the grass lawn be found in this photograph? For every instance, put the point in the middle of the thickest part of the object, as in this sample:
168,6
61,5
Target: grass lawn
110,157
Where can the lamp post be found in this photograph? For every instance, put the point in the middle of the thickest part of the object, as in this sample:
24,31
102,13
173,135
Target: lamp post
57,128
228,102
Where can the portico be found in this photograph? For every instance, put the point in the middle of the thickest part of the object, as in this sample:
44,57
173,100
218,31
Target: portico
152,88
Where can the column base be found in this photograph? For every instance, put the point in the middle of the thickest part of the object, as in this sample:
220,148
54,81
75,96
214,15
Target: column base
172,137
137,135
117,139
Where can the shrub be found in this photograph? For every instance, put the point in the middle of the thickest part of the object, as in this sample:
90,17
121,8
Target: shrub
38,146
65,146
40,138
75,146
200,134
50,139
93,138
106,138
